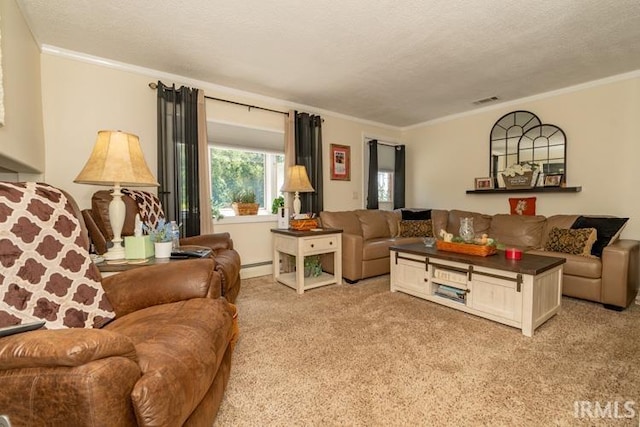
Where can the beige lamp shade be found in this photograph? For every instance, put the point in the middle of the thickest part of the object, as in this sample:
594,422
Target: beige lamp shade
117,159
297,180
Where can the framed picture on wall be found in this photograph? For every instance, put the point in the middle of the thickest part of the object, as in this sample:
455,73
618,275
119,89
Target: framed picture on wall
553,180
484,183
340,162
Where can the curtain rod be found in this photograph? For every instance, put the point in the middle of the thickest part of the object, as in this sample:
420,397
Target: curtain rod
388,144
154,86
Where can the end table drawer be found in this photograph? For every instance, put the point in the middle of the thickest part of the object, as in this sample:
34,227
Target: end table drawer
320,244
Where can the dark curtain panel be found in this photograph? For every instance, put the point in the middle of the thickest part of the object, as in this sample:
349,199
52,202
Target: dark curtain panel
372,186
309,153
178,156
398,178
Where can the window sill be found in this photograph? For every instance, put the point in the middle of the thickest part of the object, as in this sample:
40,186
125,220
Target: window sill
244,219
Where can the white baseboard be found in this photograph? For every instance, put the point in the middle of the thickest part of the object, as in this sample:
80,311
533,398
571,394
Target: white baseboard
255,271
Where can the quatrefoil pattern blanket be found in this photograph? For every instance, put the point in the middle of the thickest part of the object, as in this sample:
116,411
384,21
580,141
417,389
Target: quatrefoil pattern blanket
46,273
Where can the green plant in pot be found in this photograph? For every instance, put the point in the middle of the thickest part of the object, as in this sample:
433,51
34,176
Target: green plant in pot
278,202
244,202
312,266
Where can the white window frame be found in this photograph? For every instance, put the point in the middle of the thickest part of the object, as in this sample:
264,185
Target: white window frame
270,191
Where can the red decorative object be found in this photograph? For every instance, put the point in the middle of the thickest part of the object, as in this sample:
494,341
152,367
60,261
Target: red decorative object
523,205
513,253
340,162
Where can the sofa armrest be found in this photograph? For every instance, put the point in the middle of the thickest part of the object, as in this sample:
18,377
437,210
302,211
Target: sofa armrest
214,241
352,256
64,347
157,284
620,263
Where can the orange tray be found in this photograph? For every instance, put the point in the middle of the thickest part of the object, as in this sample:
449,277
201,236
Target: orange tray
466,248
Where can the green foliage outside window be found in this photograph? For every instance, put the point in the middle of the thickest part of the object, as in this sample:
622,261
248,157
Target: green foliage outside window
236,171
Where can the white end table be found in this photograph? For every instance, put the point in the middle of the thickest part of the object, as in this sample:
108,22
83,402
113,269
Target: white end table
306,243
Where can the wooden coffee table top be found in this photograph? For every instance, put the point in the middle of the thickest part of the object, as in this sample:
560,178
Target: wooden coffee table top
529,264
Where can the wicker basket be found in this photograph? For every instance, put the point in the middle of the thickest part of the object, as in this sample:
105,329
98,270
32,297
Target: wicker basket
303,224
245,208
466,248
526,180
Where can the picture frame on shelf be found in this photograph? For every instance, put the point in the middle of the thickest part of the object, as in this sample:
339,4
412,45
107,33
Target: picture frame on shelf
484,183
340,162
553,180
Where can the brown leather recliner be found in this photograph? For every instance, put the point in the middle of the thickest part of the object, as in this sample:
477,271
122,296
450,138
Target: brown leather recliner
164,360
100,232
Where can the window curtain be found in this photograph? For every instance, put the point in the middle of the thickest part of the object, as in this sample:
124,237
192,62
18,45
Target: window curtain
372,187
398,178
289,151
205,196
178,167
308,147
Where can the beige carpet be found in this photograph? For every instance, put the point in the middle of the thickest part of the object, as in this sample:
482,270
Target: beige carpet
359,355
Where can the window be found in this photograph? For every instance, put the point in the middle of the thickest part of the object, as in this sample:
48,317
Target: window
234,169
385,187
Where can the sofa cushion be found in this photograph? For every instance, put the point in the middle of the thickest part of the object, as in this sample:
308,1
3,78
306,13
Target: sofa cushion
377,248
417,228
416,215
568,241
608,230
481,222
517,230
439,220
347,221
374,223
179,347
522,205
393,220
560,221
576,265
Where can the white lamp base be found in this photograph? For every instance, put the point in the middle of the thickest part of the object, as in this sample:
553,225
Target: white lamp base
117,212
296,204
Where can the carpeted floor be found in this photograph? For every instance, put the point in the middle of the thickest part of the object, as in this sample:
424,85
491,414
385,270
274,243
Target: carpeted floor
359,355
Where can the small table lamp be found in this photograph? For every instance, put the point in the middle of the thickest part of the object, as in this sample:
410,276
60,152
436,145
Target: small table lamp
297,181
116,160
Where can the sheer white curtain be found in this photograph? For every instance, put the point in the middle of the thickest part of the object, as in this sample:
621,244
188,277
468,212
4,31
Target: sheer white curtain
206,220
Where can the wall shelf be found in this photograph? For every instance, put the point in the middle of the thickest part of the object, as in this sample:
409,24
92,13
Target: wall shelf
527,190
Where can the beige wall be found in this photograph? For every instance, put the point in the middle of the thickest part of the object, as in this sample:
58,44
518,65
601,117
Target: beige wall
21,137
603,148
80,98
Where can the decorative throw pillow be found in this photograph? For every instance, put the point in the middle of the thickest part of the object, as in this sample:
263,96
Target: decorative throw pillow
410,215
571,241
523,205
46,271
608,230
415,228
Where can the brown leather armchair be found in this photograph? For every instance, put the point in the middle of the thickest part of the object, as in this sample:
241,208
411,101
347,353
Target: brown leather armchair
100,232
163,360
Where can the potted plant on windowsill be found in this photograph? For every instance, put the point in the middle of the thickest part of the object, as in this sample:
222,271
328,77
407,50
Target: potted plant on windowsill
161,238
244,202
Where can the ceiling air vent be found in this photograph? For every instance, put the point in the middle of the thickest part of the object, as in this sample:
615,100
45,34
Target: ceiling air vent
485,100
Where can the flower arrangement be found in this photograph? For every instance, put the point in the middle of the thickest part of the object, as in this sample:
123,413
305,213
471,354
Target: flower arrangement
161,233
520,168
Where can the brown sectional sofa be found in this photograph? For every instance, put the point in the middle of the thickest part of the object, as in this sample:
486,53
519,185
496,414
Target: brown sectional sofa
611,280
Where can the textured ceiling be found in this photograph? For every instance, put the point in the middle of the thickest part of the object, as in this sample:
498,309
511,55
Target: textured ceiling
389,61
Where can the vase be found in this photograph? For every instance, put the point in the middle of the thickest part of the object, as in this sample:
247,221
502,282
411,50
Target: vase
163,249
466,229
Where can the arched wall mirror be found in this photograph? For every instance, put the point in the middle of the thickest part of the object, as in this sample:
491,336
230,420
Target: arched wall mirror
519,136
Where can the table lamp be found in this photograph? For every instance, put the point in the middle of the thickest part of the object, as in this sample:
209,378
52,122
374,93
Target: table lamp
116,160
297,181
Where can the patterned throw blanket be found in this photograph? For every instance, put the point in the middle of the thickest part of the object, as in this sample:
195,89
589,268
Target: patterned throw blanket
46,273
149,206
